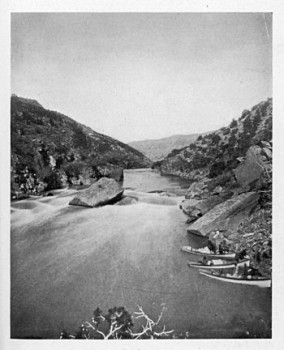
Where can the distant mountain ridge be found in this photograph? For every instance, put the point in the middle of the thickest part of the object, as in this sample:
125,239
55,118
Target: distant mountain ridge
157,149
50,148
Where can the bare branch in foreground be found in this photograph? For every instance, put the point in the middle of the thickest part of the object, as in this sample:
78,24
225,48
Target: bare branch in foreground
120,326
149,325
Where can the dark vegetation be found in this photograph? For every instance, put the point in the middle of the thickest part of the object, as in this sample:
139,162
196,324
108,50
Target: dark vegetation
50,148
218,151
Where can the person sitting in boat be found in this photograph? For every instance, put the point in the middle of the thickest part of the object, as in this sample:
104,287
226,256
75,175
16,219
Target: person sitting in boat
245,272
212,247
205,261
218,238
240,255
223,247
254,273
236,271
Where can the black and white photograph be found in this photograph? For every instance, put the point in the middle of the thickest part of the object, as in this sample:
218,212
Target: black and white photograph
141,176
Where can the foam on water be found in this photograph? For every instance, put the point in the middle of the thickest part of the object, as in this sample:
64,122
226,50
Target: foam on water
154,198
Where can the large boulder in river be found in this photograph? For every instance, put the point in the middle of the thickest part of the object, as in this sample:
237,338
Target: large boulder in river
228,215
104,191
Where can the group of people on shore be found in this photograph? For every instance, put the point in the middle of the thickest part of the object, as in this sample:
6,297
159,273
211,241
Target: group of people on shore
218,243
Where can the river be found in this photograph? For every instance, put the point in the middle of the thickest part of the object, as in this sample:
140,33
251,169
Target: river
67,260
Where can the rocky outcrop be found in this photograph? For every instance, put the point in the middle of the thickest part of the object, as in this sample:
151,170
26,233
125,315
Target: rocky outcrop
228,215
195,208
196,190
105,191
189,207
250,172
267,152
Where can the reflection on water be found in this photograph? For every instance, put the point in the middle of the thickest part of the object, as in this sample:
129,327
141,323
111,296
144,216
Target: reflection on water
146,180
68,260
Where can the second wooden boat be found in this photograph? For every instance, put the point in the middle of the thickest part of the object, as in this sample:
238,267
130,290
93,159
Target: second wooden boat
206,252
219,264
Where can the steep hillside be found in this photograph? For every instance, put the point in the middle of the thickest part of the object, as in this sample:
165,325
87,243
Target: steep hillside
223,149
50,150
160,148
230,200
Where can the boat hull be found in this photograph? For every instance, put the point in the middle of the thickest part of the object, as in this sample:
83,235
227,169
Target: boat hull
262,283
225,265
188,249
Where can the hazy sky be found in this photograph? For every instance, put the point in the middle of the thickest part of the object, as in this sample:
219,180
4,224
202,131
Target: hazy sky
140,76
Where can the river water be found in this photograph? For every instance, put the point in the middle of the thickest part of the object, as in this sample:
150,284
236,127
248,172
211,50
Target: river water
67,260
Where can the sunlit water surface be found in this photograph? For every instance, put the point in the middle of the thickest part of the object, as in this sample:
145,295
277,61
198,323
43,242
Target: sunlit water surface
68,260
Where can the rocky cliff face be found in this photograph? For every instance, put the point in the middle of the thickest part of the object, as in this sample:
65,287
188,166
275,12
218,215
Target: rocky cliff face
232,189
160,148
50,150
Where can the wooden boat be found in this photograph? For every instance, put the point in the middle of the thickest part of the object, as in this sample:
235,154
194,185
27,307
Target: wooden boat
218,264
250,280
205,252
